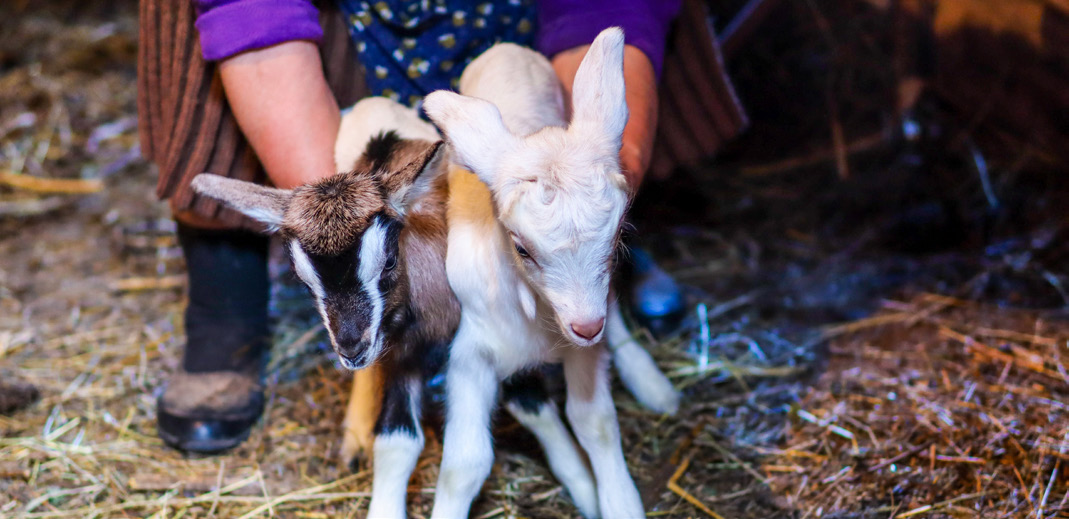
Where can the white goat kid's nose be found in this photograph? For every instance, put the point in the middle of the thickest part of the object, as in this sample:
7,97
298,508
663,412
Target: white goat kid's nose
588,329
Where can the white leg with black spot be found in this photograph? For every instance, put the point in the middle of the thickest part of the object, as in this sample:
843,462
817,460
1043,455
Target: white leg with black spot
563,454
593,417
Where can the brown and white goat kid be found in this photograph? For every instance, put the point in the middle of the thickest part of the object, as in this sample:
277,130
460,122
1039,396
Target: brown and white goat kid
532,238
370,245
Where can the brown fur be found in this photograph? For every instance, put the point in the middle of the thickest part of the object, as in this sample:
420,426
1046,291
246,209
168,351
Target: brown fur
327,216
400,179
241,195
406,161
423,243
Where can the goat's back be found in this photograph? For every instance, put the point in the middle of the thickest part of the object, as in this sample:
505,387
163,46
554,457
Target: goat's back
371,116
521,82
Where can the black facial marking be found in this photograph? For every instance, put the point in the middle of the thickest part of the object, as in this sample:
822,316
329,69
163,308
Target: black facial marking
393,243
391,274
347,306
347,302
338,272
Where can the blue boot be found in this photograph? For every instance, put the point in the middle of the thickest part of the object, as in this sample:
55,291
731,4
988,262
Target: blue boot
656,300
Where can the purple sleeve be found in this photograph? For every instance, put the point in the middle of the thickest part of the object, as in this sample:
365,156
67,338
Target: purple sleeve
228,27
564,24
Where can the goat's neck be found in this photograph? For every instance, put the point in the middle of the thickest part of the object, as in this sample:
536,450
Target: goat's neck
423,241
494,294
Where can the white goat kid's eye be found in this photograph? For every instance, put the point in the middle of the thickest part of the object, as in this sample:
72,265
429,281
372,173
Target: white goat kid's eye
520,249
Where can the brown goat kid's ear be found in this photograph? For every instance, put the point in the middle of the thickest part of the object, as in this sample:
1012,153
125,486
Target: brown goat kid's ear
263,204
413,181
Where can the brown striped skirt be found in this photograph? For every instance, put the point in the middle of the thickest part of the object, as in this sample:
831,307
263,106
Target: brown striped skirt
187,128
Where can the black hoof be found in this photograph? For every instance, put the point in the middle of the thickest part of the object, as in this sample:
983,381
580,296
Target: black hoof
359,462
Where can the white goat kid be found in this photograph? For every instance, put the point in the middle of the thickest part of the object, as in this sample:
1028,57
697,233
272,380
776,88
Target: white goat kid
532,236
526,92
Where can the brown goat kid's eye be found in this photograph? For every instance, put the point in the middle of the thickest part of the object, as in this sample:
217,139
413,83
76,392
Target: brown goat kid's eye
391,263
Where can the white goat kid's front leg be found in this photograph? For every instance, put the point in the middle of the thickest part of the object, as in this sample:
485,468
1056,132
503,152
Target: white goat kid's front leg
398,443
637,370
467,450
526,398
593,417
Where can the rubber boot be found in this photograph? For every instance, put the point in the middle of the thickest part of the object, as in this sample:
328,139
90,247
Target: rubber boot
212,404
655,299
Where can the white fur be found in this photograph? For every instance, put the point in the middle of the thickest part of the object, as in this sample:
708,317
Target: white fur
396,455
636,368
372,258
467,450
560,192
562,453
272,219
592,415
395,458
559,189
371,116
522,85
307,272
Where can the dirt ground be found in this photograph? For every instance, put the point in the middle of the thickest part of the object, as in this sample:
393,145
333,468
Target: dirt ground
892,343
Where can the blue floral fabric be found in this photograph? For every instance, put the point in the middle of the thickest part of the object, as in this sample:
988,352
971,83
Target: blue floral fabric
410,48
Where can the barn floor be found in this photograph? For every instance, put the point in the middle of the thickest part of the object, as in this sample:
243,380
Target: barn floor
888,340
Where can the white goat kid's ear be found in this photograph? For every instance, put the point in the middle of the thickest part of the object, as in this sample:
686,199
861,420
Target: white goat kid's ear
261,203
418,177
475,130
599,105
